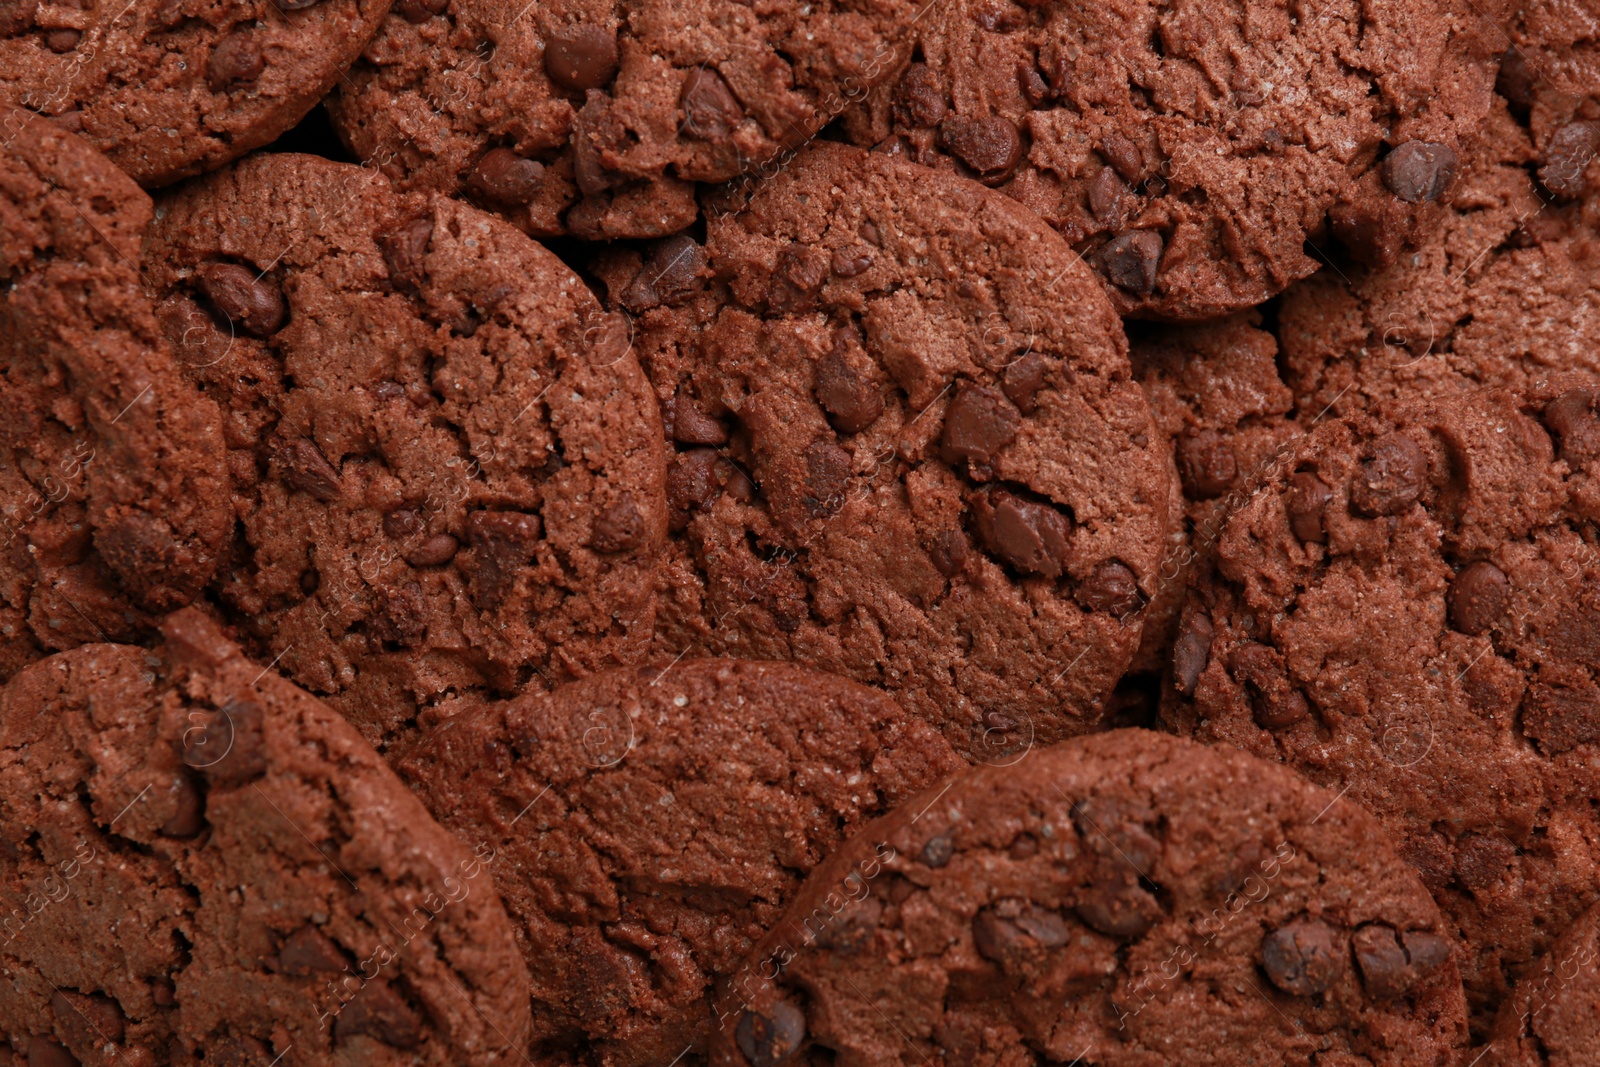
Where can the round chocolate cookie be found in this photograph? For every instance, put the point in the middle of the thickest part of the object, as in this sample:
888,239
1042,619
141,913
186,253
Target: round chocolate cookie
202,864
170,88
1502,292
448,469
594,118
1122,900
113,490
1404,611
1550,1019
910,450
655,821
1192,152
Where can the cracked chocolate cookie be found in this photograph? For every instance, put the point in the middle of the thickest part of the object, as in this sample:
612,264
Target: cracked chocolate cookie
113,489
1123,899
448,469
1549,1020
595,118
1191,152
1404,612
653,821
908,447
170,88
204,864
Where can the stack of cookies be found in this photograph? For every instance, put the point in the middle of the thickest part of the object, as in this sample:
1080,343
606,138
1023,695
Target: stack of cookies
952,532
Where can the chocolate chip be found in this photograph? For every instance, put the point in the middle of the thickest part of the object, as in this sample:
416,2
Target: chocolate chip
379,1012
405,251
852,930
689,425
1426,951
1571,417
419,11
1034,89
16,16
1206,463
1303,958
1000,940
949,552
990,145
937,852
1110,588
304,468
308,950
1022,381
502,544
1567,156
870,233
505,178
850,262
710,110
581,57
1419,170
435,551
1393,479
772,1036
796,279
1516,79
675,270
1306,503
1477,597
1131,261
43,1052
1120,829
89,1022
1191,652
227,745
619,528
827,478
846,389
977,425
65,40
1115,904
919,99
691,483
1032,537
189,812
236,60
254,304
1125,157
1105,196
1385,971
595,131
1275,703
402,523
1043,925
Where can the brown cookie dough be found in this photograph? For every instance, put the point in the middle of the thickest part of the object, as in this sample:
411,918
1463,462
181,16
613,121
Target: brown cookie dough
113,487
203,864
655,820
170,88
1191,152
1550,1019
1126,899
448,468
1501,292
910,451
1403,612
594,117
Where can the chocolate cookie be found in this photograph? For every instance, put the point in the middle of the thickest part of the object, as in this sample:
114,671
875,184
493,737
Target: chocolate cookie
655,821
448,469
1550,1018
1502,292
1123,899
594,118
1190,153
113,492
910,451
1403,611
204,864
170,88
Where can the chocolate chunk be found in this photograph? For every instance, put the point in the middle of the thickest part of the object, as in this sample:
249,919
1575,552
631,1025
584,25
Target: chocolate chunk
691,426
1032,84
64,40
1022,381
189,814
827,478
1306,503
226,745
1419,170
1304,957
1191,652
1393,479
710,110
1105,196
1426,951
846,389
1567,157
253,304
848,263
999,939
379,1012
1207,463
309,950
691,483
1110,588
1131,261
402,523
1032,537
977,425
304,468
937,852
502,543
949,552
1477,597
1274,702
595,131
675,270
435,551
1125,157
796,279
420,11
581,57
1115,904
919,99
1572,418
505,178
236,60
619,528
89,1022
1043,925
405,251
770,1037
1385,971
991,145
1119,828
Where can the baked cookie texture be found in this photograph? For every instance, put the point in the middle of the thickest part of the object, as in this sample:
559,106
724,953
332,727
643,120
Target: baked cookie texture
1404,613
1192,153
172,88
594,118
651,823
113,492
205,864
909,450
1125,898
448,472
1550,74
1549,1019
